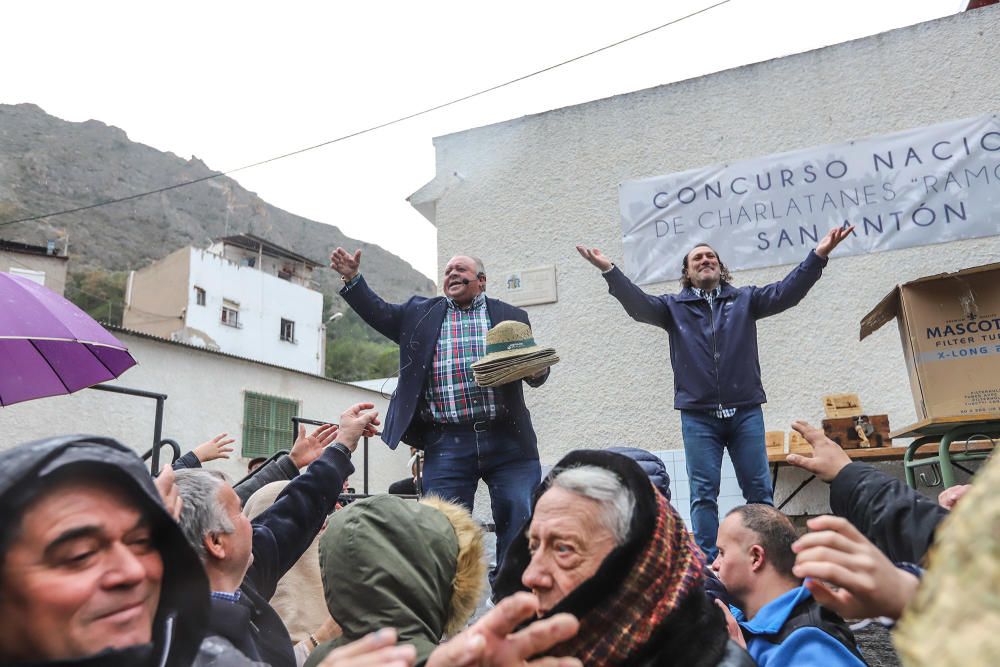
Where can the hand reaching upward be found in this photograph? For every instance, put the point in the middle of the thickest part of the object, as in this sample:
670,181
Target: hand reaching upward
344,263
595,257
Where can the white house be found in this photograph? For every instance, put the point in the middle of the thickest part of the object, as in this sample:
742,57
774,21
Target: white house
242,295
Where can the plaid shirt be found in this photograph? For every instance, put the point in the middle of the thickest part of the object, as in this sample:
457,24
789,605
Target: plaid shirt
452,394
721,412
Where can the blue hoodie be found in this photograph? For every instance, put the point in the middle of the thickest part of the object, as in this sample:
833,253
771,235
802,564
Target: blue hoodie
805,646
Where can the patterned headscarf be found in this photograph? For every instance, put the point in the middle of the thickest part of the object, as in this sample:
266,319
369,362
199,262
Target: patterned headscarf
631,604
668,568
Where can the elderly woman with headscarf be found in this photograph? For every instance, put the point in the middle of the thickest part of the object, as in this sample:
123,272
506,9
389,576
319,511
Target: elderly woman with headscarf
605,546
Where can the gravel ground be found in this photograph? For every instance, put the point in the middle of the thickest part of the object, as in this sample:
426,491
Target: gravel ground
876,646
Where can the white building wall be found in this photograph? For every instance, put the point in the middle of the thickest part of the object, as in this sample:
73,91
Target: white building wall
264,299
205,397
520,194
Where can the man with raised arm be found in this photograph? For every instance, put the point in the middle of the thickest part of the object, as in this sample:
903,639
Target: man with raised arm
712,328
467,432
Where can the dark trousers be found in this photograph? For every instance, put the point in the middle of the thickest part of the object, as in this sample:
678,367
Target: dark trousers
459,457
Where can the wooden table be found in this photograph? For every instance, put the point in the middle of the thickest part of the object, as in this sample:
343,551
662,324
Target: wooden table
871,455
951,441
924,453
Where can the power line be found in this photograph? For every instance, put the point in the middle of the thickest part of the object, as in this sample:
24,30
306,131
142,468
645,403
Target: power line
368,130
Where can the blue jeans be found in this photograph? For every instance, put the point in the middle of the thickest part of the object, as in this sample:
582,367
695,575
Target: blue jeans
705,436
459,458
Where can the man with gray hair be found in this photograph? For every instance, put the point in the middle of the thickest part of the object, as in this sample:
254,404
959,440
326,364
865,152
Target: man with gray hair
244,560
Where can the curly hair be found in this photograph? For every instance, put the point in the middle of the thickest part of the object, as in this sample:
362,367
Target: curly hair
686,281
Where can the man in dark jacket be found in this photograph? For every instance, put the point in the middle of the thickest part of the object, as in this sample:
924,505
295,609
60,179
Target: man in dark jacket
468,432
93,569
244,560
712,327
897,519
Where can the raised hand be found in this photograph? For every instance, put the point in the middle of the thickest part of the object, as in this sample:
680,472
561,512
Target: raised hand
594,256
376,650
169,493
216,448
828,457
344,263
832,240
492,642
308,448
358,420
848,574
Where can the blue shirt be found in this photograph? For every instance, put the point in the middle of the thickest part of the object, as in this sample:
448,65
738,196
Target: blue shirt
806,646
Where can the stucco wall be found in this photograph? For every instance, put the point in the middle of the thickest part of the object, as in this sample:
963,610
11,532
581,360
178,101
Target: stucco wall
205,397
157,296
521,193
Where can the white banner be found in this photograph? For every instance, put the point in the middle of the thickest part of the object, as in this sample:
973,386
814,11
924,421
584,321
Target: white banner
918,187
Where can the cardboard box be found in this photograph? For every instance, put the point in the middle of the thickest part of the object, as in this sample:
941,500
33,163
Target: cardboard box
950,328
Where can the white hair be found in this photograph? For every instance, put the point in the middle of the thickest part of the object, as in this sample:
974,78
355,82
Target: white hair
605,488
201,511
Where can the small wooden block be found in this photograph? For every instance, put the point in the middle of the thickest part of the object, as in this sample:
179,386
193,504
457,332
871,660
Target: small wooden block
842,405
775,442
798,445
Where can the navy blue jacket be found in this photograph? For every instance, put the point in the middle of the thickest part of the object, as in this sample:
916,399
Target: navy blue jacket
281,534
713,352
415,327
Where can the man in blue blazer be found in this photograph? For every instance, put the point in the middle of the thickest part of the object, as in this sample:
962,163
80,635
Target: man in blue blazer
467,432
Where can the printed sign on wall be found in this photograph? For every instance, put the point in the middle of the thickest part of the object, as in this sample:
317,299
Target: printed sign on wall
922,186
528,287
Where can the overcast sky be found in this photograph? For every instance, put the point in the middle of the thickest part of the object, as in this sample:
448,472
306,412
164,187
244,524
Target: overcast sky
237,82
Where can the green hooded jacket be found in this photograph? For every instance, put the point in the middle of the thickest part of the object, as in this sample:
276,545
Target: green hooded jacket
389,563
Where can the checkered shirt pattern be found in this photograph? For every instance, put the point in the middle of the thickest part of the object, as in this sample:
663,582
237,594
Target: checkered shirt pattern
452,394
711,296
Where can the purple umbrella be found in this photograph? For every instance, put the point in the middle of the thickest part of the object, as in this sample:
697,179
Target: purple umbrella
48,346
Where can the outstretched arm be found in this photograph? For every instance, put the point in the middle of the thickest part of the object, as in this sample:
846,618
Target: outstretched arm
284,531
384,317
897,519
640,306
776,297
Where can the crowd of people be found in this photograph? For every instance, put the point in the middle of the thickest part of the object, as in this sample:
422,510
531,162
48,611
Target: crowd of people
103,564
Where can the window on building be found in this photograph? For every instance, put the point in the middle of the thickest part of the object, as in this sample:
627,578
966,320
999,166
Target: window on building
199,296
267,423
231,313
288,330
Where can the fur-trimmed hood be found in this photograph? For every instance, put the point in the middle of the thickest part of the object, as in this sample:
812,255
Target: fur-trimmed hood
414,566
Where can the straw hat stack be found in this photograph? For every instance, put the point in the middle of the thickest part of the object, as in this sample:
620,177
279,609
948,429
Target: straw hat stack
511,354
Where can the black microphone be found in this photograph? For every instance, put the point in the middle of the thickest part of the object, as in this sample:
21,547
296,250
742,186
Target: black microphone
465,281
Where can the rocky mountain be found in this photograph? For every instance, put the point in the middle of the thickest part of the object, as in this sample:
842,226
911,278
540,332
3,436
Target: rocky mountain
48,164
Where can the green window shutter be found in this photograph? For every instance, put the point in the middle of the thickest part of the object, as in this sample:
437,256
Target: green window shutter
267,424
